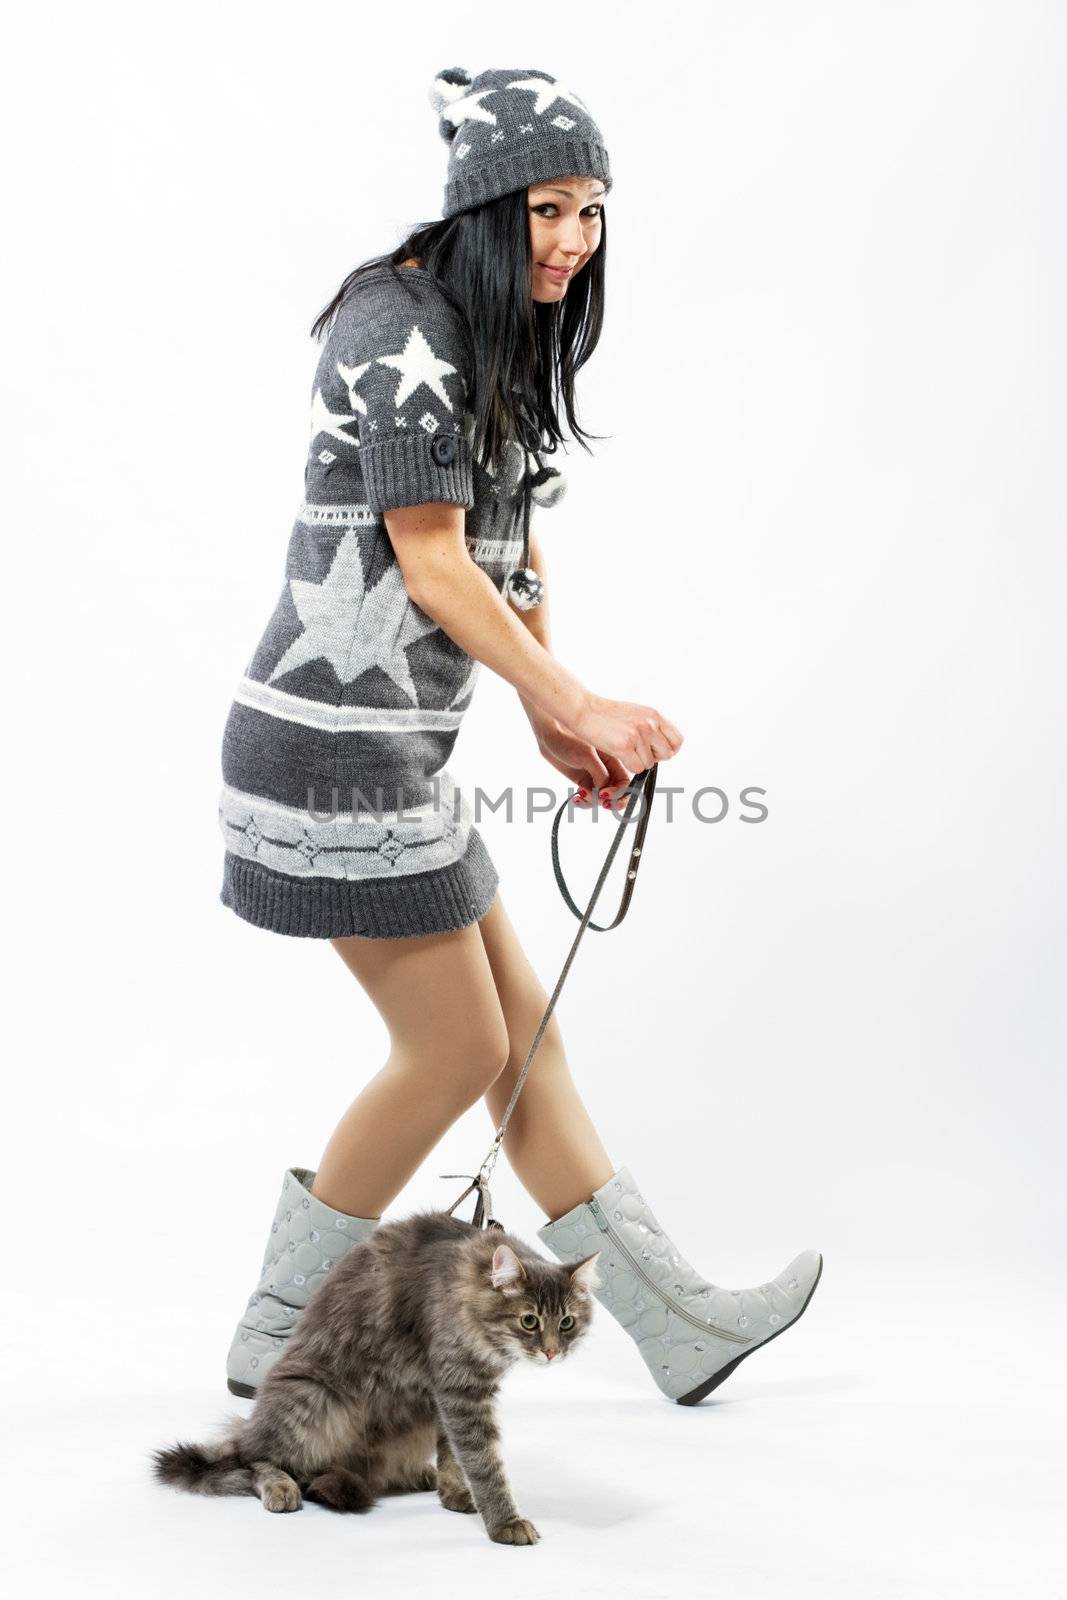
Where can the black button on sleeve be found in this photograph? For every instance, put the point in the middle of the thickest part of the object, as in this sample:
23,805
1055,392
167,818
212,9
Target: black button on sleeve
414,469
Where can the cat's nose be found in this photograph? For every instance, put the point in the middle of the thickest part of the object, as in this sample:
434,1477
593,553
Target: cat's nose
551,1353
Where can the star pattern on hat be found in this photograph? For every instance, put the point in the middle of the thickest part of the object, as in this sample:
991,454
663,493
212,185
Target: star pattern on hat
352,627
547,93
469,108
323,420
417,364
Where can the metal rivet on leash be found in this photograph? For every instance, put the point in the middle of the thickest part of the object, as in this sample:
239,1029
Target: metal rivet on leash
643,784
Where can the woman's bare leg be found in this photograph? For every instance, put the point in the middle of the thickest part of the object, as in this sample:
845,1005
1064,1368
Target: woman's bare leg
551,1141
449,1041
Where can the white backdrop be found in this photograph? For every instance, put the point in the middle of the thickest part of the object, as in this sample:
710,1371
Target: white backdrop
825,536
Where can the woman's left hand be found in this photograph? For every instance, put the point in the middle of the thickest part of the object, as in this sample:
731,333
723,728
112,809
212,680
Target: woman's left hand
581,763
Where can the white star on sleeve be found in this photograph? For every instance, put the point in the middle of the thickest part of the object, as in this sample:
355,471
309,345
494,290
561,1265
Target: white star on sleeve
323,420
351,376
417,364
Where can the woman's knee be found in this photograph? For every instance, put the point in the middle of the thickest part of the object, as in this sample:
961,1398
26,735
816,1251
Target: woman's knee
523,1021
473,1059
491,1055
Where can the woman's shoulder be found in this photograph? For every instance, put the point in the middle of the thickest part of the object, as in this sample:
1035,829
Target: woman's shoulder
393,373
392,302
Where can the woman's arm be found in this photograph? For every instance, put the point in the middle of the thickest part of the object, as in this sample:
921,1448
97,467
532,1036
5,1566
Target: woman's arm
536,621
444,582
584,735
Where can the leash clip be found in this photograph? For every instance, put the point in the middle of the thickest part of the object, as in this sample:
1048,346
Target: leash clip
482,1216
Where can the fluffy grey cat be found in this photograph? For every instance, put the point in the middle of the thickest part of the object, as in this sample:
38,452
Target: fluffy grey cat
397,1358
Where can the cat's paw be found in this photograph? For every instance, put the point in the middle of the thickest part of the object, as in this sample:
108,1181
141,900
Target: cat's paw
340,1490
454,1498
517,1531
281,1497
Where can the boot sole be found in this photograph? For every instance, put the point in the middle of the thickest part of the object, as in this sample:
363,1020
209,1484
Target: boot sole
697,1394
245,1390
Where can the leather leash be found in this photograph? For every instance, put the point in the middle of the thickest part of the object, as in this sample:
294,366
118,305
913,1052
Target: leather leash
642,784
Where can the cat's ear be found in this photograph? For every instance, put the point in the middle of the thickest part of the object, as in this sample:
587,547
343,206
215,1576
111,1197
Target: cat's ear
507,1270
584,1273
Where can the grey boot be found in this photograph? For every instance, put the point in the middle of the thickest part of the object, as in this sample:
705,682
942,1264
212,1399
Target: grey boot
691,1333
306,1239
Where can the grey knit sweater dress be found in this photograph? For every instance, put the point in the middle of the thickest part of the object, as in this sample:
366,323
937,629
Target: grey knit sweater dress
337,810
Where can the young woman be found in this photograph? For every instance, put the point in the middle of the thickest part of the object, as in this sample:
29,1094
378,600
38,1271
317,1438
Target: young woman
410,565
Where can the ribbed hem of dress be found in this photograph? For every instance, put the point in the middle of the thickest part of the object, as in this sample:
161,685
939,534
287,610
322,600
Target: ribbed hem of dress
405,472
377,908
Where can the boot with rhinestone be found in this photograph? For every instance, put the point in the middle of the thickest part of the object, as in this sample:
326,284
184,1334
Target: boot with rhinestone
306,1239
691,1333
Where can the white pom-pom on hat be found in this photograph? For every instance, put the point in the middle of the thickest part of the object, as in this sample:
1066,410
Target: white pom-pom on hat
449,85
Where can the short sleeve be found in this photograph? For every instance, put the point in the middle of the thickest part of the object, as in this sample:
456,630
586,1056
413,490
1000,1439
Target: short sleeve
393,380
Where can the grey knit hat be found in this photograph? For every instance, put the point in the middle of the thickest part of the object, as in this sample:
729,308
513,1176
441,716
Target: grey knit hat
508,128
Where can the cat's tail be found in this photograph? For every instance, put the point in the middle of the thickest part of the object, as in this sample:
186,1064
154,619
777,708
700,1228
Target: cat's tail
215,1467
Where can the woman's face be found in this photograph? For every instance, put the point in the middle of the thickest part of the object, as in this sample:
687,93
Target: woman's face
565,229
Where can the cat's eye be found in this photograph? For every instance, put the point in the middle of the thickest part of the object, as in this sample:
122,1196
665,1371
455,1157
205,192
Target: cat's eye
565,1323
529,1321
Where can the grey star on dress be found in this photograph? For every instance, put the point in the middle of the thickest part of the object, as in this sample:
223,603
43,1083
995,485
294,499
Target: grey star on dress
417,364
547,93
352,627
468,683
323,420
469,109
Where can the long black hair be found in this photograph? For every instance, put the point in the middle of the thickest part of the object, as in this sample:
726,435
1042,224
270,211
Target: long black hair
525,354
